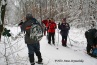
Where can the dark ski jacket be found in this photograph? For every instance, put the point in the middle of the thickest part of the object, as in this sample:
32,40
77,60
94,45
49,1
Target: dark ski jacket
64,27
91,36
26,28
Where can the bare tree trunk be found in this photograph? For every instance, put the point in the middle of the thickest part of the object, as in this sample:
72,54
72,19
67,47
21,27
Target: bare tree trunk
50,8
3,9
40,11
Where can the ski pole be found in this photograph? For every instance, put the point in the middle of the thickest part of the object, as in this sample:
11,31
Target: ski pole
58,39
70,41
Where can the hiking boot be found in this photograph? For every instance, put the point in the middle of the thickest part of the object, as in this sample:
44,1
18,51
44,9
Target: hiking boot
89,53
33,63
39,61
49,43
53,43
64,45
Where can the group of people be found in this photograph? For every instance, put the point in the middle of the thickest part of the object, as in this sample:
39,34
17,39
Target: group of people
64,27
50,27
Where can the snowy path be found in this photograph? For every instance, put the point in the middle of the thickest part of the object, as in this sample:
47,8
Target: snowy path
64,55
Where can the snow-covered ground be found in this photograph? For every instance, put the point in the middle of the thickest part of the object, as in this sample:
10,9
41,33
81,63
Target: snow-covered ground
17,52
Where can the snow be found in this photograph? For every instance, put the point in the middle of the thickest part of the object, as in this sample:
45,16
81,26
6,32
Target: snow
17,52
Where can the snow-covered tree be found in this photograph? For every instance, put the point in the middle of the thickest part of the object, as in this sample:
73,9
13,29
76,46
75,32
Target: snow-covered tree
78,12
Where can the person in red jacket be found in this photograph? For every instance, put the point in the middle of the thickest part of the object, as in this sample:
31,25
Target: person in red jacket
51,31
45,23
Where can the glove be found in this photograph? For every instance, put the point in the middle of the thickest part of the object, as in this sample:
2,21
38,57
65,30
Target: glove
6,33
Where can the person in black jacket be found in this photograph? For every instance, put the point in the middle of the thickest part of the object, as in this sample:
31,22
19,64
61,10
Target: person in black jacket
91,36
64,27
33,46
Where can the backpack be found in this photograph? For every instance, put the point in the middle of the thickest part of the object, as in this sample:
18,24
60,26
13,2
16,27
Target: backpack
94,52
36,31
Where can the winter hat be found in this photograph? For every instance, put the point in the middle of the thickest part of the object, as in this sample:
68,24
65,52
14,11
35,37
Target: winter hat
64,19
29,16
